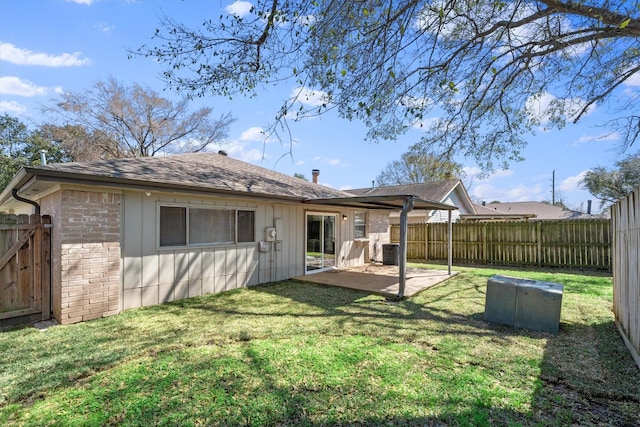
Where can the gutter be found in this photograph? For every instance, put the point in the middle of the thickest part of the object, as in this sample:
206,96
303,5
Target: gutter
14,193
53,175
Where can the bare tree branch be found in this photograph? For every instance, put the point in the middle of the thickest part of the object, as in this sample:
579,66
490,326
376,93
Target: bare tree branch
135,121
472,69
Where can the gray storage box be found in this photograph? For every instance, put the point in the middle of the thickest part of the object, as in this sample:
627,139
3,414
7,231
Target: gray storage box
524,303
500,300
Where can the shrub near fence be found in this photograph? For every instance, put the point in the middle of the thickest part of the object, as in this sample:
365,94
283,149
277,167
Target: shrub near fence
576,244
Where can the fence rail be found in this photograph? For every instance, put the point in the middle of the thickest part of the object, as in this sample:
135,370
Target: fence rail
625,221
576,244
25,267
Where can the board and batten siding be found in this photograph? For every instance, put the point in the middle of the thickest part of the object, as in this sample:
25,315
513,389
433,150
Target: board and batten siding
442,215
419,216
153,276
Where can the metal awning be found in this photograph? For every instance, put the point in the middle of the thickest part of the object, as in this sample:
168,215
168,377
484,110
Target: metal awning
404,203
387,202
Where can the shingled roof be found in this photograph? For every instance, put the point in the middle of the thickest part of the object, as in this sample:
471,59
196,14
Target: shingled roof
436,190
201,172
541,211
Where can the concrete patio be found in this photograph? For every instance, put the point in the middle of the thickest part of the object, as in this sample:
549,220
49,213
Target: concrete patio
380,279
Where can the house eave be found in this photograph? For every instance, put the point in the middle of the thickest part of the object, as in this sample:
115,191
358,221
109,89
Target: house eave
388,202
28,174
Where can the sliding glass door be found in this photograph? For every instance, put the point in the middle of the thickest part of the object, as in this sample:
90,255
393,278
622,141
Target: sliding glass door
320,242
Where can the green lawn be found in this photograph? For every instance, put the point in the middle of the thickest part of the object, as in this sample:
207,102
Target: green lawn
292,353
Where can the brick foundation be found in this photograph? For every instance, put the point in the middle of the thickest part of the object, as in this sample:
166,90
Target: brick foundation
90,285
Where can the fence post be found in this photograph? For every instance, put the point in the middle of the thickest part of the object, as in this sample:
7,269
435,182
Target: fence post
484,243
539,243
426,241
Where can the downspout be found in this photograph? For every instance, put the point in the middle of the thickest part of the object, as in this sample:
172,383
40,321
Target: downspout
407,206
449,245
14,193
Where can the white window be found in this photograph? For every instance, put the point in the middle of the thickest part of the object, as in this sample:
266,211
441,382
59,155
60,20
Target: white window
360,225
186,226
246,226
173,226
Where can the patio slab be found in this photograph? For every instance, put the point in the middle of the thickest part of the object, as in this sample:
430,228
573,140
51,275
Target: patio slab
380,279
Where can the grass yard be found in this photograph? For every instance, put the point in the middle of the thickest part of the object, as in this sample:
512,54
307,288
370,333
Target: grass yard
292,353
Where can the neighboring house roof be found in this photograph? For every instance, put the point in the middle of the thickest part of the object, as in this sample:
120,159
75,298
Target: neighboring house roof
435,190
211,173
484,213
542,211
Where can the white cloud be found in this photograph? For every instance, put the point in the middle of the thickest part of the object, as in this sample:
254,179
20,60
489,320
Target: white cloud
11,85
104,27
520,193
545,107
573,182
425,123
252,155
239,8
603,137
87,2
310,97
254,133
240,151
474,172
633,81
330,162
12,107
15,55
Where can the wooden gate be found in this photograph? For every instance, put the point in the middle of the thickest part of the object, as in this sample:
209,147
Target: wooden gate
25,267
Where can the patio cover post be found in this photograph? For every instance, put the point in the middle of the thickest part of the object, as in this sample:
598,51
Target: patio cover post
407,206
450,246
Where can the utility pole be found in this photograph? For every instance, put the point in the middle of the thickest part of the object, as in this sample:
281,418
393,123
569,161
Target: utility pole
553,188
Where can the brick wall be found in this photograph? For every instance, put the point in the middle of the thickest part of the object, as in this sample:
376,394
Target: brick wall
85,254
378,229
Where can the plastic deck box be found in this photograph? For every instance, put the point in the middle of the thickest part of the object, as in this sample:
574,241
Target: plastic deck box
524,303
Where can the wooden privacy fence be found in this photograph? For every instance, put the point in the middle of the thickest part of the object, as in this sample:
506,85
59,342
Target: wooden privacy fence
625,223
25,267
579,244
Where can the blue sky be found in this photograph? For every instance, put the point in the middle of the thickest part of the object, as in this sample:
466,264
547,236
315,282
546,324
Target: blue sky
51,46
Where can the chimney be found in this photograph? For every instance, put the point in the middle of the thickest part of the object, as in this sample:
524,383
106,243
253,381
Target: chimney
43,157
588,207
373,184
315,173
222,153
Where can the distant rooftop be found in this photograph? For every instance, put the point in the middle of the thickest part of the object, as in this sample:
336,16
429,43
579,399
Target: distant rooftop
542,211
436,190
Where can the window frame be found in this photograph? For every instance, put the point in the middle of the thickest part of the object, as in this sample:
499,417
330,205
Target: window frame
365,226
188,243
